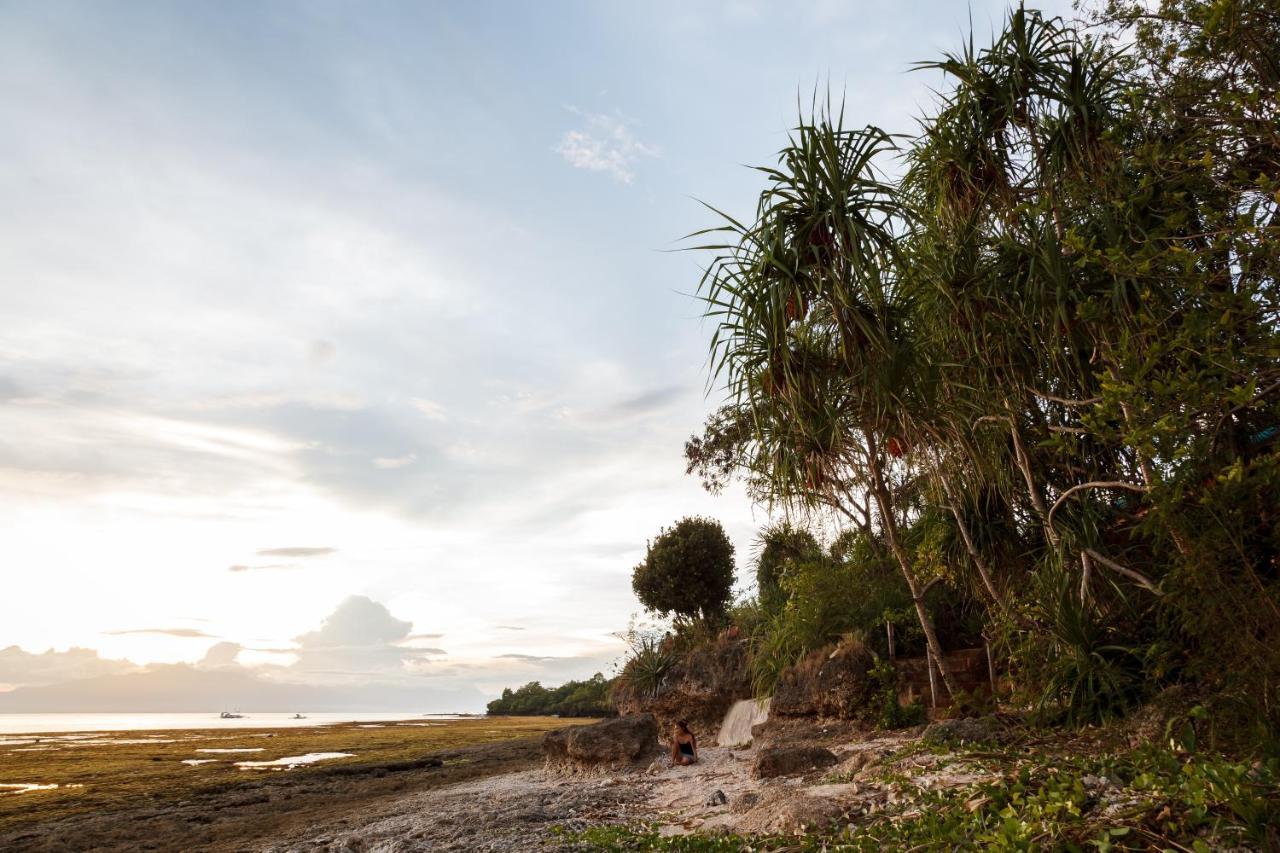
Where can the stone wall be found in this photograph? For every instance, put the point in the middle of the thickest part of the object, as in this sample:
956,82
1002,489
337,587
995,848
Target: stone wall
968,666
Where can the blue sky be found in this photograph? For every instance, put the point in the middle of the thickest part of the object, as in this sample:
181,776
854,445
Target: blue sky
374,300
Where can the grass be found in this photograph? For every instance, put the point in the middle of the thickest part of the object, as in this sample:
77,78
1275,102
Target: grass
114,774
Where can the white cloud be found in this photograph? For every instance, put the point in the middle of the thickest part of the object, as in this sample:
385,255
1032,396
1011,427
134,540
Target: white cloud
604,143
390,463
429,409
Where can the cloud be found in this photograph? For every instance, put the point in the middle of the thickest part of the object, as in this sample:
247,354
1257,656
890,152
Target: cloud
20,668
296,552
321,352
648,403
358,621
514,656
240,567
429,409
221,655
509,628
423,637
187,633
389,463
604,143
360,638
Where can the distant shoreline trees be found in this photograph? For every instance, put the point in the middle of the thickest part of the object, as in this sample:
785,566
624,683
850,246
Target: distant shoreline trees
589,698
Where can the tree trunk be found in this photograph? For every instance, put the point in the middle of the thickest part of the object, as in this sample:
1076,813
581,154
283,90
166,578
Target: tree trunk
969,546
885,504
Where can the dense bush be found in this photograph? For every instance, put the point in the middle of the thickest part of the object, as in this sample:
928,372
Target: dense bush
588,698
687,570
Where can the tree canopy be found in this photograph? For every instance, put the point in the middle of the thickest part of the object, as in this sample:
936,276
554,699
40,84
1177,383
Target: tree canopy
687,570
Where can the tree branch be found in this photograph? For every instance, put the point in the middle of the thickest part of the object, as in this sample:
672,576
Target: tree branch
1094,484
1137,577
1092,401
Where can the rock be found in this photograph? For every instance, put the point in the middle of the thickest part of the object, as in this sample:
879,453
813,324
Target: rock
611,742
858,761
791,760
717,799
699,688
831,682
746,802
964,731
656,767
792,813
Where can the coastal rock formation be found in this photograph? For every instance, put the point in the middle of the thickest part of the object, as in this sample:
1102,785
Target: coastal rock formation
791,760
609,743
831,682
700,688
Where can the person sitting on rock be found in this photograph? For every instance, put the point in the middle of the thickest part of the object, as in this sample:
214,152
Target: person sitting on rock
684,746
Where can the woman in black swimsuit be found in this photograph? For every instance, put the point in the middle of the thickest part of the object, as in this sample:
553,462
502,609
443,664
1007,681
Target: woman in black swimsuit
684,746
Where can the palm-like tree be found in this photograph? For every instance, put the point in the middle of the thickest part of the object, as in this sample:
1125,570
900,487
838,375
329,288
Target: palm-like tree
813,337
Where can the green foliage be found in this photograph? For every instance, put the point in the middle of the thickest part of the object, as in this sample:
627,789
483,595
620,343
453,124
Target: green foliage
588,698
1196,804
1078,659
687,570
1043,366
777,548
892,714
648,664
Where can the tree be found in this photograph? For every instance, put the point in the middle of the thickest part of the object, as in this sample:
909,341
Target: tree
687,570
778,546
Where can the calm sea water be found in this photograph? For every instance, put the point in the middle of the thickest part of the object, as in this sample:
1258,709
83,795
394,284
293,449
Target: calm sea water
37,723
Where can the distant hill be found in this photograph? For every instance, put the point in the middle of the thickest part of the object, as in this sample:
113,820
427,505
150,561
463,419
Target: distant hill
181,688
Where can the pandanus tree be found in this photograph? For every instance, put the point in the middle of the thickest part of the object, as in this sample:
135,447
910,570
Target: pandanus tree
1003,179
814,340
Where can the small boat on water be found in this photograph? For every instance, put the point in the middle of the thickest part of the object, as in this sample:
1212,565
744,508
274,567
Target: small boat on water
299,717
227,715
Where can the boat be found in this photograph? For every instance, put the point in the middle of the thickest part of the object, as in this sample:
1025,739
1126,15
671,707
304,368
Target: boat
299,717
227,715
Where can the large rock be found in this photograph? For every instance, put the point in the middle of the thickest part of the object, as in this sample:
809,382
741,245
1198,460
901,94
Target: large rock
831,682
792,812
791,760
965,731
612,742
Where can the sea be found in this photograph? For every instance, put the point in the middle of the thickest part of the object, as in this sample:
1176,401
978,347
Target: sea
13,724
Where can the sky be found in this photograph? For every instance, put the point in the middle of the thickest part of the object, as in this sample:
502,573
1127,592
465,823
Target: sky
344,344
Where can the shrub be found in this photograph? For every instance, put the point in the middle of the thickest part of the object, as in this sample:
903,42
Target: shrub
646,669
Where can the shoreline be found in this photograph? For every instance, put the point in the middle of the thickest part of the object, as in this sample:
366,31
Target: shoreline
21,724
